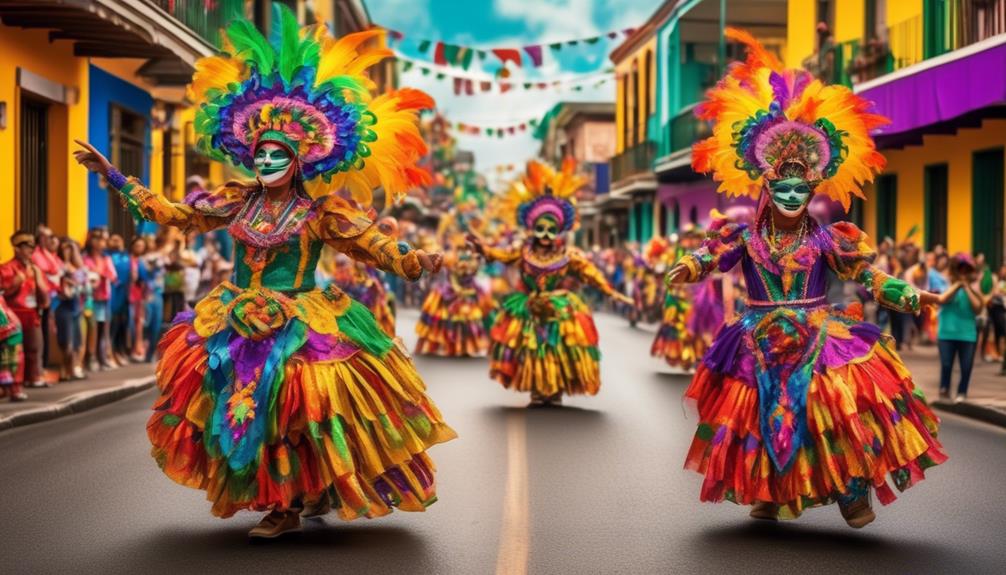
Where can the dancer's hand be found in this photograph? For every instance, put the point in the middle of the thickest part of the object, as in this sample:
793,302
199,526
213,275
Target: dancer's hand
677,275
430,262
928,298
624,299
92,159
475,243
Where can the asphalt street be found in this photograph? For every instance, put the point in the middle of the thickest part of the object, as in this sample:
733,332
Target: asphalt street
594,487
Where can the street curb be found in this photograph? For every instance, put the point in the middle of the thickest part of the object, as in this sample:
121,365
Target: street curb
972,410
76,403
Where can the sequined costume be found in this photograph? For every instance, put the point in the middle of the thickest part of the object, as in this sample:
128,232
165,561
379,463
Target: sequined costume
673,342
457,313
11,354
800,403
544,340
274,393
364,284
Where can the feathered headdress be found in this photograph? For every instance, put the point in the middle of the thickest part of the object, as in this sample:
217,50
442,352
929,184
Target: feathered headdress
770,123
543,190
308,91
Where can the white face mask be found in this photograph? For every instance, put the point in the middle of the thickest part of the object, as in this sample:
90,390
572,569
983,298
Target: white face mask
791,196
272,162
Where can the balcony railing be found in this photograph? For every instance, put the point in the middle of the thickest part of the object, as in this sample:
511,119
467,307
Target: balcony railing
685,129
635,160
203,17
946,26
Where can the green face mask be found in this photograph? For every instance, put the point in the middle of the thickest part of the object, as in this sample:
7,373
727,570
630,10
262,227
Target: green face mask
272,162
790,195
546,229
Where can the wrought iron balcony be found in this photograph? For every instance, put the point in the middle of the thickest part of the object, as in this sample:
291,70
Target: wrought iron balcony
633,161
205,18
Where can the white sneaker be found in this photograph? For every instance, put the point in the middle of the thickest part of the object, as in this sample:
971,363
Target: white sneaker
960,398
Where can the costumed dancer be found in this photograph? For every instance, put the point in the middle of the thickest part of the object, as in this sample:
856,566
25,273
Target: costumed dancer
277,396
673,342
801,404
457,313
11,354
543,339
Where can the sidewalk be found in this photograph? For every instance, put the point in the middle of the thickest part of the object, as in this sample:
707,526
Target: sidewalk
986,393
76,396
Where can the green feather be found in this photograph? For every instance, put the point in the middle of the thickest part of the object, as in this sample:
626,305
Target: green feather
286,41
252,46
348,84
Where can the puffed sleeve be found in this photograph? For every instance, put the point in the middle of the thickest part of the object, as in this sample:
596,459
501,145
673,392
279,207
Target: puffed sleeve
354,233
722,249
506,255
588,272
851,258
202,211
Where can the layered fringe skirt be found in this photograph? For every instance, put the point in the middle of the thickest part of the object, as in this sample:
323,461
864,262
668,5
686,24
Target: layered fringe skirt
271,401
545,343
673,343
455,322
805,408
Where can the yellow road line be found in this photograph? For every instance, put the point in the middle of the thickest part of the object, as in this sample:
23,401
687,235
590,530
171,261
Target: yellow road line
515,533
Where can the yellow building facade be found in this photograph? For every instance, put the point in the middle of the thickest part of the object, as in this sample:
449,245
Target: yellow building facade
945,169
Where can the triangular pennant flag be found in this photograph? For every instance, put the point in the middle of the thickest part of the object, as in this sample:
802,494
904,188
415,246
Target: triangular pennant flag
450,54
482,54
396,35
485,86
424,70
593,40
490,131
527,85
505,87
577,88
533,122
406,65
557,46
424,45
441,75
572,42
508,55
511,130
535,53
542,85
458,86
612,35
464,58
469,87
499,132
628,31
439,54
522,127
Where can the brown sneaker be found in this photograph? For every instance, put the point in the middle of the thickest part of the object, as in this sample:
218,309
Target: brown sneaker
859,513
275,524
321,507
765,510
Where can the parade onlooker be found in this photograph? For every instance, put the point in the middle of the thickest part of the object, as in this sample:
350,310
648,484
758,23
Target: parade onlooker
153,272
192,269
958,333
137,296
119,308
70,314
46,259
25,289
103,277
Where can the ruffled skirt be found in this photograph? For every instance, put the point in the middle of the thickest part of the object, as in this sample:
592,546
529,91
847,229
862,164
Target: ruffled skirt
11,351
455,323
545,343
673,343
807,407
269,402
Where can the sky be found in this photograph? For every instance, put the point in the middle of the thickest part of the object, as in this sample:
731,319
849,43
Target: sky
509,23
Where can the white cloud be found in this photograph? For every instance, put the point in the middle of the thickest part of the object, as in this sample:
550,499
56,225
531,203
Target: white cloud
552,21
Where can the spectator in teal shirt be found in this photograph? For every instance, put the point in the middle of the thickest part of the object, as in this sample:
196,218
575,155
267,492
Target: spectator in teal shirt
957,335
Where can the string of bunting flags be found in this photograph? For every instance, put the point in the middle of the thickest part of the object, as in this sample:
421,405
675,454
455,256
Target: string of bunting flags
469,85
494,131
531,55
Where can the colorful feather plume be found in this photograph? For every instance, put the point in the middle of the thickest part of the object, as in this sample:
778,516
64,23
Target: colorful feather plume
544,188
766,118
309,91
